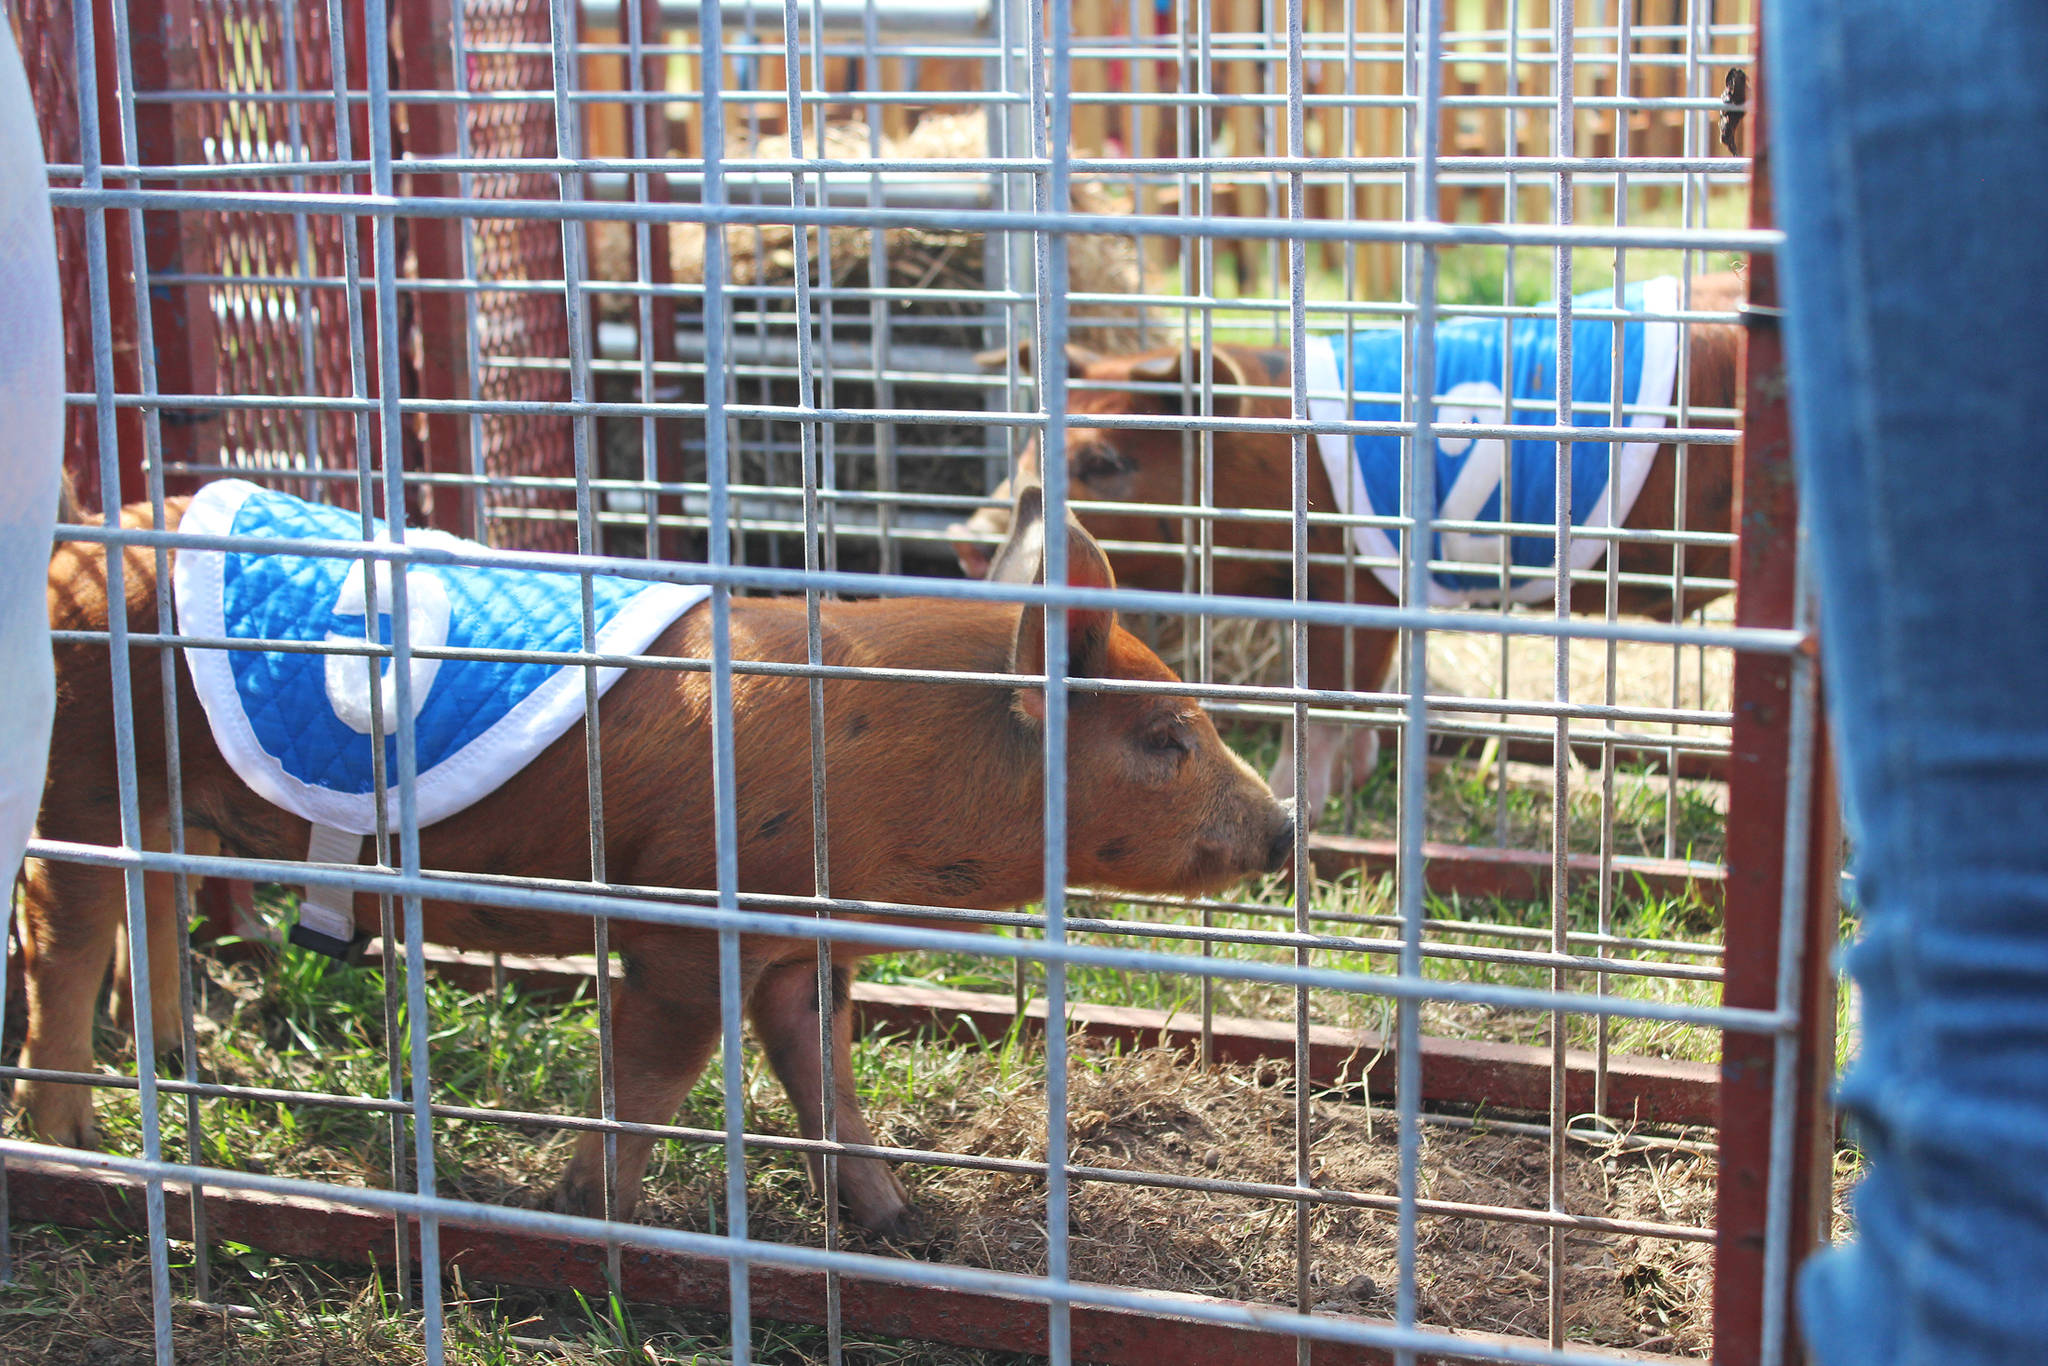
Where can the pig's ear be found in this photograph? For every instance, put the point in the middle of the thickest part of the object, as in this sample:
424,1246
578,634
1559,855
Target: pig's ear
1088,629
1021,556
1079,358
1177,367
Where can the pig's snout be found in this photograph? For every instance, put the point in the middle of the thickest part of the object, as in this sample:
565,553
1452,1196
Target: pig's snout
1280,848
1258,837
975,540
972,553
1250,831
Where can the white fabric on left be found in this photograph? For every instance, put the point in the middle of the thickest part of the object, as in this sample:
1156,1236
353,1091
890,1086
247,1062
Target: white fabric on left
32,399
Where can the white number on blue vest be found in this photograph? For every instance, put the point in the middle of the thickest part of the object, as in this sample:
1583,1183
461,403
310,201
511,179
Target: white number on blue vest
348,676
1474,401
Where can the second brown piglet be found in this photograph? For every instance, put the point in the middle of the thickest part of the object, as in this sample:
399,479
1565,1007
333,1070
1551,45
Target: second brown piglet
1128,473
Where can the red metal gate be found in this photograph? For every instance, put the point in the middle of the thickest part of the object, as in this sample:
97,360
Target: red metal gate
257,304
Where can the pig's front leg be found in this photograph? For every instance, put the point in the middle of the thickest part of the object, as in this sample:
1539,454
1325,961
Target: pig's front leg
1327,741
784,1008
1328,744
664,1026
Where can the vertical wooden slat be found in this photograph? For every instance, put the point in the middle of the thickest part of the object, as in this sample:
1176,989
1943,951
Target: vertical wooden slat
603,121
1094,20
1246,123
1384,202
896,114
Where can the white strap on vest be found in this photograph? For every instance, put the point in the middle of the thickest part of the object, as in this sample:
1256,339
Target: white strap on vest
327,918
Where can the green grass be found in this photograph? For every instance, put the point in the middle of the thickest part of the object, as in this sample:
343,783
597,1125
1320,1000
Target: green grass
1638,915
1466,802
1478,275
305,1023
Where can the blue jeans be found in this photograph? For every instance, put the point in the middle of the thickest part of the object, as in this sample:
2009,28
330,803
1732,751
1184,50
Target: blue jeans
1911,172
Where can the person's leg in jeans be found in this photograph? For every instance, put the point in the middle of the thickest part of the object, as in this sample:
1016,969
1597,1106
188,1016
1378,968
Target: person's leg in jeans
1910,150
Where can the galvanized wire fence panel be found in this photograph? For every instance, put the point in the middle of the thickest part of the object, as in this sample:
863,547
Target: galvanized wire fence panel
520,337
746,298
273,340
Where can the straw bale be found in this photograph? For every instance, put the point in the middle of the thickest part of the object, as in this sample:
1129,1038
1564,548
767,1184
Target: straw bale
920,259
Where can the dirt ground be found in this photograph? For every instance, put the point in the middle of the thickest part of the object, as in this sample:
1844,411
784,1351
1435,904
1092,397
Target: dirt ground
1155,1112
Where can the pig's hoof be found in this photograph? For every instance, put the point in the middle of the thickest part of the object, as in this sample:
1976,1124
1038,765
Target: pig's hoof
586,1200
911,1229
579,1198
63,1119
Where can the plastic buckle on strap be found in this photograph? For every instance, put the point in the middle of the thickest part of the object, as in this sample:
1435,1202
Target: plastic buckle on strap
347,951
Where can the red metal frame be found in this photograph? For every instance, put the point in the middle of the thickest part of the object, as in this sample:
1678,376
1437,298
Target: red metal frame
1513,874
323,1231
212,339
49,53
668,436
43,34
513,326
427,62
1766,577
181,320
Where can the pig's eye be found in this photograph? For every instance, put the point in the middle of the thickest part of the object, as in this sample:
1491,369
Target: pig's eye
1167,737
1099,462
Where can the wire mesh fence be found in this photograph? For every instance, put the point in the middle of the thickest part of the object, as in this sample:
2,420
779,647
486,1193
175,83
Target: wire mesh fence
748,328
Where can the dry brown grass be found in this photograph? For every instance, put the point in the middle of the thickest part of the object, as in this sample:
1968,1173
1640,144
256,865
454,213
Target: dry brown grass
85,1301
79,1301
1468,664
1155,1112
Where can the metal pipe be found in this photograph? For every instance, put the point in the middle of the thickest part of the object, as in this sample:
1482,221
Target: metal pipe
899,20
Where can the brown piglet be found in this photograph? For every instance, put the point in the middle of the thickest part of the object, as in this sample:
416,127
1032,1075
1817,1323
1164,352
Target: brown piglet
1145,468
936,799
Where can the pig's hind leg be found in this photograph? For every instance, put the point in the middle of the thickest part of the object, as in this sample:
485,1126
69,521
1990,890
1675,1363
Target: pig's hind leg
784,1008
72,914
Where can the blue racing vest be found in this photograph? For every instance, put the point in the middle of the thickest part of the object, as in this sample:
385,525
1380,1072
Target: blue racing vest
1366,470
297,726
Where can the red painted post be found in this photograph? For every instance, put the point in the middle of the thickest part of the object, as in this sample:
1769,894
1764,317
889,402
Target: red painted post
427,62
668,436
1766,589
161,50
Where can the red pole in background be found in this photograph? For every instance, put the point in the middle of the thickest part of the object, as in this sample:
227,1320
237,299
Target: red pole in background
1767,523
